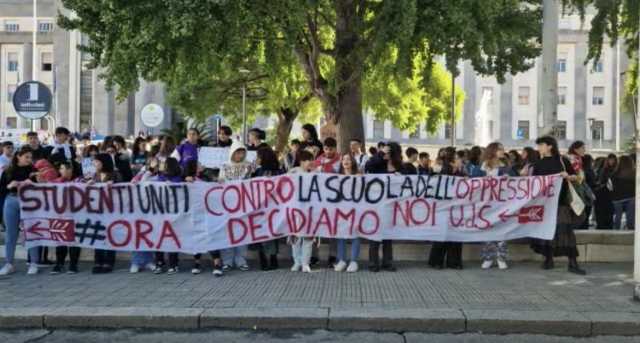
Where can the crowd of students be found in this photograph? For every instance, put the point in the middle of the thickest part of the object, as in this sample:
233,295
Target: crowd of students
606,186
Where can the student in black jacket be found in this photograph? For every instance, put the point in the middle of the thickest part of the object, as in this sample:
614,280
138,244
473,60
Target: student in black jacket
386,161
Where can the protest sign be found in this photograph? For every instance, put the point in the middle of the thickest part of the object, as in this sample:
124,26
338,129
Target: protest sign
214,158
199,217
210,157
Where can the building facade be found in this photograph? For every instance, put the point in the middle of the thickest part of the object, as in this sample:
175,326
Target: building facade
81,101
512,112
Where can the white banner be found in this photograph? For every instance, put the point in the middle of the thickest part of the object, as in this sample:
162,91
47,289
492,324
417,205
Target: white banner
200,217
212,157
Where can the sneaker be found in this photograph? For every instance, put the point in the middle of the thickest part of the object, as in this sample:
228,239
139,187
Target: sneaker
196,269
73,269
217,271
97,270
296,267
340,267
502,264
150,267
33,269
487,264
306,268
353,267
389,268
57,269
107,269
158,269
172,270
244,268
134,269
7,269
226,268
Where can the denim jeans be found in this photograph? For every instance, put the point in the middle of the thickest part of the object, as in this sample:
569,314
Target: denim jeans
141,258
11,213
235,256
301,250
628,207
355,249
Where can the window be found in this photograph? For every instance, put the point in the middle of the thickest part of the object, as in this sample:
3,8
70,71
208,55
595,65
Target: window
523,95
561,65
447,130
46,59
597,129
45,26
598,67
11,26
561,130
10,90
12,61
562,95
488,92
378,129
598,96
12,122
523,129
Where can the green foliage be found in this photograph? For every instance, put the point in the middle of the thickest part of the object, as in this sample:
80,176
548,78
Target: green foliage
297,48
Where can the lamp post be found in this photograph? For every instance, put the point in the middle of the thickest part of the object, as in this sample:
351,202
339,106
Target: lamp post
244,72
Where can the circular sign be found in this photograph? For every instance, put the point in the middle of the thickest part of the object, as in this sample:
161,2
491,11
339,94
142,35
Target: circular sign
152,115
32,100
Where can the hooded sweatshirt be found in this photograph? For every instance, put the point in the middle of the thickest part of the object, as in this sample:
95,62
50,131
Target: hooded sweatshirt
236,170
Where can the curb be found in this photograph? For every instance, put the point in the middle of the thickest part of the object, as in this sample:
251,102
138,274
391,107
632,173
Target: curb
577,324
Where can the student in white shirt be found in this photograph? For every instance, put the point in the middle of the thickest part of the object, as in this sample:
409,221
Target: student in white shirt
361,158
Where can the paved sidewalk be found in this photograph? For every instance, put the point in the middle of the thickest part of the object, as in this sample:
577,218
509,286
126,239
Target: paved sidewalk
523,299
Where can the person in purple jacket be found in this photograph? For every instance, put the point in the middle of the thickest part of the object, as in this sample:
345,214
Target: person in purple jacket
188,150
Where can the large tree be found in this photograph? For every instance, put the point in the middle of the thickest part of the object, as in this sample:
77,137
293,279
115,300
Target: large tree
337,43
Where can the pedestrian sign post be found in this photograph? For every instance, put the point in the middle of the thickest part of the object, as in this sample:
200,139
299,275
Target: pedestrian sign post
32,100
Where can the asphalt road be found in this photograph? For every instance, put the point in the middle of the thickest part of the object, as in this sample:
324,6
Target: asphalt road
127,336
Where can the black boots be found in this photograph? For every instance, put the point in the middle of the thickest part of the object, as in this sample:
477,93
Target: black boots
574,268
548,262
267,264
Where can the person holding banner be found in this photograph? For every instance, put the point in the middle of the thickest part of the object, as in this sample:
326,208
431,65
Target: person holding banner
104,260
494,252
236,169
447,254
169,172
268,166
67,174
564,241
144,259
20,171
191,173
387,161
349,166
301,247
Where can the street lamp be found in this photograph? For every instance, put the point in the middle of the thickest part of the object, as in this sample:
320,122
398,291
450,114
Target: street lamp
244,72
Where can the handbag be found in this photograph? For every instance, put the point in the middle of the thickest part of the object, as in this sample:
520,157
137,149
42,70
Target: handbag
575,201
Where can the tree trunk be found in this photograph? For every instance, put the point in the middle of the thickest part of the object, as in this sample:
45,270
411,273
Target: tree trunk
286,117
348,116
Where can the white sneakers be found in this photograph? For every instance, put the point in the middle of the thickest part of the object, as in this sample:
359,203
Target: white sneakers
33,269
306,268
502,264
486,264
296,267
7,269
134,269
340,267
